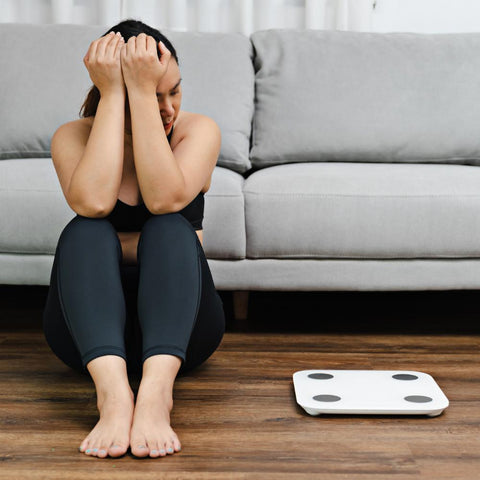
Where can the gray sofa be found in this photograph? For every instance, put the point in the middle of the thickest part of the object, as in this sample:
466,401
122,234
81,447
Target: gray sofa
348,161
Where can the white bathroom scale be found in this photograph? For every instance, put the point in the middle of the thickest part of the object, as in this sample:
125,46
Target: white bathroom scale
368,392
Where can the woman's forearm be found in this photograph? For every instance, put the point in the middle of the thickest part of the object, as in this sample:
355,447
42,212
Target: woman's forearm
159,176
96,180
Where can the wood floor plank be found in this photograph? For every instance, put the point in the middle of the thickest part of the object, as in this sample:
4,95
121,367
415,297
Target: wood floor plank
237,416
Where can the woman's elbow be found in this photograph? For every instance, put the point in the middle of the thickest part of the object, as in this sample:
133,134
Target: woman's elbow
161,206
159,209
90,210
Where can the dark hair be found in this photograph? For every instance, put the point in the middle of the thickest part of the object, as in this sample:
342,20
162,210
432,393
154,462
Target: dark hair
127,28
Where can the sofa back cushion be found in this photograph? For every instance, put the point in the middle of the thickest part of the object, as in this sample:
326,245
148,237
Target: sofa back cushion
366,97
44,83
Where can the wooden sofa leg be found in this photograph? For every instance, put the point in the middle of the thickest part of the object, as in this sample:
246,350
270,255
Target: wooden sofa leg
240,304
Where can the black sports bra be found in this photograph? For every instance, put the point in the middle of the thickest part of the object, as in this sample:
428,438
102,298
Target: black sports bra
130,218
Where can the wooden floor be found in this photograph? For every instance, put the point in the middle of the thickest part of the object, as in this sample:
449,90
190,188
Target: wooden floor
237,417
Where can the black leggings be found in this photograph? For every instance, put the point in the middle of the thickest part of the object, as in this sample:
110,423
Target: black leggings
166,304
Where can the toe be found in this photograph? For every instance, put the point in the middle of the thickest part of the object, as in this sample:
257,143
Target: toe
176,444
162,449
84,445
154,452
117,450
170,449
154,449
93,449
102,452
139,449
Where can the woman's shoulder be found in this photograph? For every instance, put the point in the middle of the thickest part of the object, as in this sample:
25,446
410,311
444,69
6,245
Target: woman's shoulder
85,123
81,125
189,122
190,119
74,129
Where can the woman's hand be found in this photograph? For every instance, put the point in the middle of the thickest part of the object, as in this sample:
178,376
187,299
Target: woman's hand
103,63
140,64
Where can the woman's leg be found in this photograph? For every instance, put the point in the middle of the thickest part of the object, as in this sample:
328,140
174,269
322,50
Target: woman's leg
111,435
182,322
55,328
84,323
210,322
90,288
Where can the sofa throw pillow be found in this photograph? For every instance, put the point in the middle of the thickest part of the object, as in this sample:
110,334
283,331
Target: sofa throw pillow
366,97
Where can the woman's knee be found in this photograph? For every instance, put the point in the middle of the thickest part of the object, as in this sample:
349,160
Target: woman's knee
167,221
172,228
87,231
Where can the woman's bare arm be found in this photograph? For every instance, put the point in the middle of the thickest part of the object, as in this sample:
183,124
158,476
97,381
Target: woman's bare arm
96,180
168,180
159,177
90,166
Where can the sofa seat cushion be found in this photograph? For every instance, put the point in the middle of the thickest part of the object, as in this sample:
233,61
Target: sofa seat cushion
363,210
34,211
224,216
32,206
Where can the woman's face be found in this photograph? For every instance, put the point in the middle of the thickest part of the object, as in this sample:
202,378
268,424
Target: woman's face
169,97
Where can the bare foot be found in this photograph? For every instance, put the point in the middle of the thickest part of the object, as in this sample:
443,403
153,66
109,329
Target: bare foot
151,434
111,435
